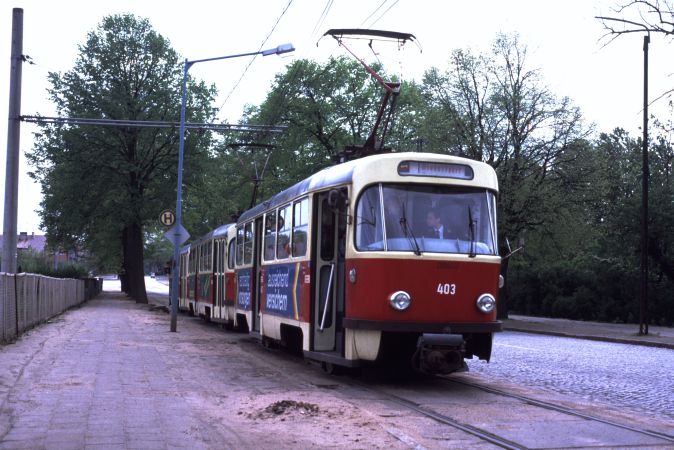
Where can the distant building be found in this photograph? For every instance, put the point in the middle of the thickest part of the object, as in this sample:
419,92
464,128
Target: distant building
37,243
33,242
27,242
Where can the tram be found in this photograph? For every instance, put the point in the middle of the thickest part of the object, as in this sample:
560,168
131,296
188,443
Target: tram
344,267
207,276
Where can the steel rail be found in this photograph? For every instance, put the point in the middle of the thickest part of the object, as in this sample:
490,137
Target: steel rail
562,409
446,420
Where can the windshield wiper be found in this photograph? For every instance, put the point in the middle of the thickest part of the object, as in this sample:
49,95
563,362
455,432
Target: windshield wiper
471,226
407,231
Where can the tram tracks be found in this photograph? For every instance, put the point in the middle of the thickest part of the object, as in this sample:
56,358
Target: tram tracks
651,438
563,409
460,404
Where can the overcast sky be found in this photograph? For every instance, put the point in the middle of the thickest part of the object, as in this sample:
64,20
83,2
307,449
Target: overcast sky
563,40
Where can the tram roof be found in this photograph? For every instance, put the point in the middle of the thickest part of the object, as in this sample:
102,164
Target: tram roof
328,177
343,174
218,232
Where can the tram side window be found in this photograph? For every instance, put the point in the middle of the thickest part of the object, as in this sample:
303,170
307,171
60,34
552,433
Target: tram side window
300,227
216,256
283,223
239,246
231,254
248,244
208,260
269,235
223,255
369,231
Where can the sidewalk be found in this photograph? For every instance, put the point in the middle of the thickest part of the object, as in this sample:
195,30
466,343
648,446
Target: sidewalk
95,379
610,332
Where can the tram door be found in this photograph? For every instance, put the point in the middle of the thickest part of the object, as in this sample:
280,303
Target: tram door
257,270
329,291
220,255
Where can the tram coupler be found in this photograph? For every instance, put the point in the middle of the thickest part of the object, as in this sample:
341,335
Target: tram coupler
440,354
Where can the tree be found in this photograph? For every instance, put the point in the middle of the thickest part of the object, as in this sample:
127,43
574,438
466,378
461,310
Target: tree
325,107
638,16
494,108
101,185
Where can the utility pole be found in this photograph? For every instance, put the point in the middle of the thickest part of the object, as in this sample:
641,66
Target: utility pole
645,172
9,230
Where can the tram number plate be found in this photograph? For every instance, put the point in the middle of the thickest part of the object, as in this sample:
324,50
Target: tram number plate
446,288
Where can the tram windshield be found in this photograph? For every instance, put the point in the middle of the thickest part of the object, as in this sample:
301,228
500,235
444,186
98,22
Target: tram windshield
424,218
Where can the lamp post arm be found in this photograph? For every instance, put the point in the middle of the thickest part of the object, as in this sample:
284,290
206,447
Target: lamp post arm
190,63
284,48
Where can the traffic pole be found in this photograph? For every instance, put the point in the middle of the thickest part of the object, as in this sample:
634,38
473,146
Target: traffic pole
645,174
9,230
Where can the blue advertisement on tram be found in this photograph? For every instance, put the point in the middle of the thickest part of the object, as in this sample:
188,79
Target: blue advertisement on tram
283,290
244,282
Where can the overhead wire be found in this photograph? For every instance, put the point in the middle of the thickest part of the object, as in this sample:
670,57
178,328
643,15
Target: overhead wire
384,13
372,13
322,17
255,57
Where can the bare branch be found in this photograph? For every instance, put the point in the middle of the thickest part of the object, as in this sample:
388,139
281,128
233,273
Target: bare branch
664,23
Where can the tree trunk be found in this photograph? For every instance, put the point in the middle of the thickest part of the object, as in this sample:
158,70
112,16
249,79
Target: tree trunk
124,281
133,262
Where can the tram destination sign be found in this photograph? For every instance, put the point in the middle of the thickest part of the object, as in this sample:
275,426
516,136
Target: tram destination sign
435,169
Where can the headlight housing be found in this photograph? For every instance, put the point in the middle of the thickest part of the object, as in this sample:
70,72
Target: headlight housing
400,300
486,303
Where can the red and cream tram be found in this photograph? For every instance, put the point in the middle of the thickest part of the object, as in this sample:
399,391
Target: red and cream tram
184,293
207,276
391,257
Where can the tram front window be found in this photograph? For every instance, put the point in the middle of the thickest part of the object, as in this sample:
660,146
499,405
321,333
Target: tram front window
424,218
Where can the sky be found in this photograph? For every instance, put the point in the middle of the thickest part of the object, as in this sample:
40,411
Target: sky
564,41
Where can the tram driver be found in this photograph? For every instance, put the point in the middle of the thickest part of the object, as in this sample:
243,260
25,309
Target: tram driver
435,227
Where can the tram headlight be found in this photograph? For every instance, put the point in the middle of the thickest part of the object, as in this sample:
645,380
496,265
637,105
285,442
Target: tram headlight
400,300
486,303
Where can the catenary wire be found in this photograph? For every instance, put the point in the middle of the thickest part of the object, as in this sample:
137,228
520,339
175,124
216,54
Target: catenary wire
373,13
254,57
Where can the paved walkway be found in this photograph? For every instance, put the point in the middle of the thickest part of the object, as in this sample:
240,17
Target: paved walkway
91,381
611,332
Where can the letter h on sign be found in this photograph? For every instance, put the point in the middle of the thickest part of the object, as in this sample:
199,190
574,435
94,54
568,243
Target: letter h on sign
167,218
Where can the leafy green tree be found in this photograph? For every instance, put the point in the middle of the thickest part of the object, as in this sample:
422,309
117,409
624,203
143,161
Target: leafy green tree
494,108
102,185
599,279
325,108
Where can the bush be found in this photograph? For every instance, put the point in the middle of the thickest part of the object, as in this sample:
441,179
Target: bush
40,264
586,288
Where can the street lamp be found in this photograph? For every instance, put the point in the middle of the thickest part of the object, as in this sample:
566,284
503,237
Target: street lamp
178,233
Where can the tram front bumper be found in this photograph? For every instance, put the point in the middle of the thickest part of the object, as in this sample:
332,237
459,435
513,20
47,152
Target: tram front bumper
440,353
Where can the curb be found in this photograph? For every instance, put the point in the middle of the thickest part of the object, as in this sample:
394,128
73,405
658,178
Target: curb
616,340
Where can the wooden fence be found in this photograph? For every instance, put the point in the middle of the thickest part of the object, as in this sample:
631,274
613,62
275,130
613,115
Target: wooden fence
27,300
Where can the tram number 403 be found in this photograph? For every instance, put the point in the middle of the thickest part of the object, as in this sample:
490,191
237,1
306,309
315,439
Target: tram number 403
446,289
